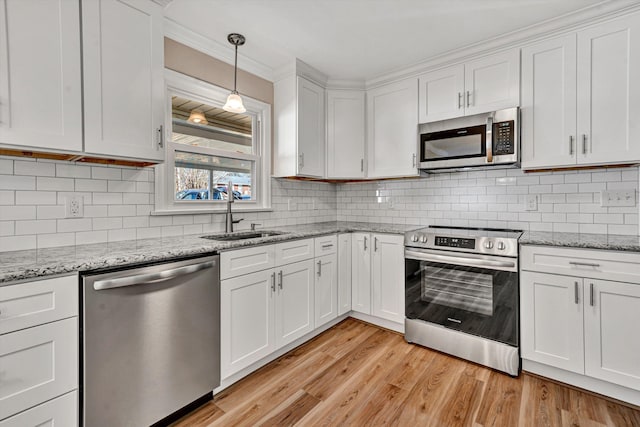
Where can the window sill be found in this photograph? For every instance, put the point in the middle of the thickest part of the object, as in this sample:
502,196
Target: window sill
164,212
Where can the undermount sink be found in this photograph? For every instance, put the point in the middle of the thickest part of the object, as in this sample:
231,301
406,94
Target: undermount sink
242,235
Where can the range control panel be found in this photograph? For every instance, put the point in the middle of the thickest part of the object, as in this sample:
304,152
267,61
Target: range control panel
503,138
455,242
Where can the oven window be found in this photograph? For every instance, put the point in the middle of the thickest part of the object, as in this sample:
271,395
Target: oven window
457,288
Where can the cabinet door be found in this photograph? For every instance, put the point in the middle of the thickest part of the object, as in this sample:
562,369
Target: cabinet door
345,134
62,411
492,82
388,277
549,103
294,302
344,273
552,320
123,60
441,94
246,320
311,143
612,350
609,92
40,81
392,129
38,364
361,272
326,289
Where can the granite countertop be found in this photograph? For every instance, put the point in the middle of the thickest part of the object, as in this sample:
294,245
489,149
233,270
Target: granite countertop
612,242
29,264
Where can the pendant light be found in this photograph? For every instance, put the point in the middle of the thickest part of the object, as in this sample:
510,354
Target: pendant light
234,102
198,118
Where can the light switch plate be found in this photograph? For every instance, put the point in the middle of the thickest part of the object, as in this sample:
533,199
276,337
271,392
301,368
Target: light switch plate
618,197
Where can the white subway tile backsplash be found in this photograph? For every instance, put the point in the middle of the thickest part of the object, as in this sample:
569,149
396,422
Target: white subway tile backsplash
17,243
17,212
55,184
122,210
36,198
15,182
7,228
21,167
98,172
66,170
6,166
107,223
41,226
74,224
88,237
56,240
91,185
7,197
50,212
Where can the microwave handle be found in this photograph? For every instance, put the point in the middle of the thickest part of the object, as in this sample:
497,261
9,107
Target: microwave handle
489,139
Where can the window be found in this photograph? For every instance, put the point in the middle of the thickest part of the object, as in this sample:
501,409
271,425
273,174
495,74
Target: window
212,154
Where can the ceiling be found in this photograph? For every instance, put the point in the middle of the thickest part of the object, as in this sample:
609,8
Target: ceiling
360,39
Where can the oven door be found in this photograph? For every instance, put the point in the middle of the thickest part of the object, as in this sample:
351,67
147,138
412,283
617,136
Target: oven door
476,294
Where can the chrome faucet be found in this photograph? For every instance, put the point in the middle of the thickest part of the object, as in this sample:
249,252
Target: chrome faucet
229,219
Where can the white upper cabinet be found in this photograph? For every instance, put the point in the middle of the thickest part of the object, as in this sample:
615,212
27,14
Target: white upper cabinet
299,106
345,134
479,86
609,92
580,97
123,58
392,129
548,110
40,82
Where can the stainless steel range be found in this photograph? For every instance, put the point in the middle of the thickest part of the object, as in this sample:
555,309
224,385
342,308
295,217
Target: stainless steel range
461,294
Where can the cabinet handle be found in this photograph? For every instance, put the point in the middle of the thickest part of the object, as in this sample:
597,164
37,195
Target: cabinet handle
161,136
571,145
591,294
375,244
414,160
468,98
273,282
365,243
280,279
575,292
459,100
584,264
327,246
319,268
301,163
584,143
361,165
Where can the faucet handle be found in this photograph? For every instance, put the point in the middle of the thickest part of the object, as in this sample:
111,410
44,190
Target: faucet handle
235,221
253,226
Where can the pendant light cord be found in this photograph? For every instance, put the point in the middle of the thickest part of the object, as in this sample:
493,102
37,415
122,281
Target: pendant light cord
235,72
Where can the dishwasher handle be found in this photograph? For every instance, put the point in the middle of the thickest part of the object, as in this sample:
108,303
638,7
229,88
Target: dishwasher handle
143,279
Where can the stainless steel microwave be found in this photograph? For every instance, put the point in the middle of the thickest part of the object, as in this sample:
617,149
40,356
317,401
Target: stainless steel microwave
489,139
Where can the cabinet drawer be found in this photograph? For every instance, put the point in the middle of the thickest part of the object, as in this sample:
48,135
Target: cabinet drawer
62,411
597,264
38,364
35,303
326,245
244,261
294,251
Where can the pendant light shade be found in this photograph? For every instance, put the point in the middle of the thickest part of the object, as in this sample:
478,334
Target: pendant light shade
234,101
197,117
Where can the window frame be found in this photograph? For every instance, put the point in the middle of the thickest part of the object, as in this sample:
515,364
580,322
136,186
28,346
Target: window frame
198,90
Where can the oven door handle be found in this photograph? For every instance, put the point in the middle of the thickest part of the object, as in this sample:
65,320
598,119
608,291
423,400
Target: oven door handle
461,260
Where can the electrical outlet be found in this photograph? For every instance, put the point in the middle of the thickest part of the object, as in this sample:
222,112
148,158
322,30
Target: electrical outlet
291,205
74,207
531,202
314,204
618,198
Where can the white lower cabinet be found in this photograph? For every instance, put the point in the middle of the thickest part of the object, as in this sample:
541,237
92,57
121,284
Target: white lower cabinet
344,273
326,289
294,301
581,323
62,411
378,275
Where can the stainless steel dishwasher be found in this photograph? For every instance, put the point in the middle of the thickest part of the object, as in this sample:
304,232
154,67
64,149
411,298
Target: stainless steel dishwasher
151,341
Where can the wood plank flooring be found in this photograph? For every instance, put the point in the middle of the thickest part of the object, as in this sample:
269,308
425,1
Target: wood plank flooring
361,375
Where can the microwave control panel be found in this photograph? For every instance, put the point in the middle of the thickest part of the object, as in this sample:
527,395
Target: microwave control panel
455,242
503,138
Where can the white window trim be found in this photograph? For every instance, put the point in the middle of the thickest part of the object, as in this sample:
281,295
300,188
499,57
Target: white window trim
165,203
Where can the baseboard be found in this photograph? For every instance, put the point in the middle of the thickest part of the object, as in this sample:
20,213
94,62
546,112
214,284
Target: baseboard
383,323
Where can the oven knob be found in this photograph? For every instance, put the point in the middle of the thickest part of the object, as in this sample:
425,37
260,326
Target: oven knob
488,245
423,239
501,246
414,238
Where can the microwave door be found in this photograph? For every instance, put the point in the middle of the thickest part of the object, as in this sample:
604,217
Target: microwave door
460,143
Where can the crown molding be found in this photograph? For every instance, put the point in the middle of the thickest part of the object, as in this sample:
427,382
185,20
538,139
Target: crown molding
562,24
302,69
163,3
341,84
224,53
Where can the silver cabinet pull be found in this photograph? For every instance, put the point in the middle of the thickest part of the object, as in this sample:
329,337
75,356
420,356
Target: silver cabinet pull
327,246
591,297
575,293
319,268
161,136
571,145
361,165
365,243
414,160
468,98
143,279
584,143
273,282
301,163
459,100
584,264
280,279
375,244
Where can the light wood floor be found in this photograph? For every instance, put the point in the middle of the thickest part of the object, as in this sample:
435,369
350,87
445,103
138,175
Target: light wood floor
361,375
